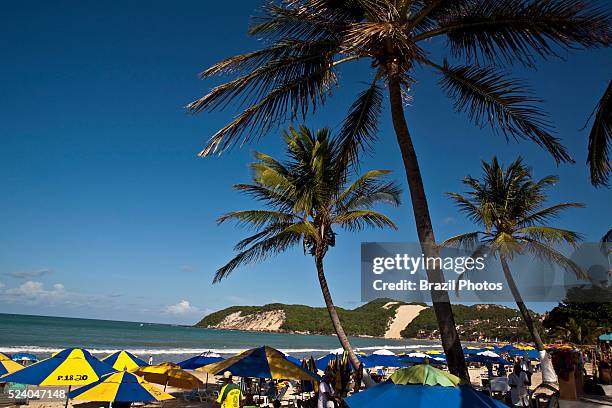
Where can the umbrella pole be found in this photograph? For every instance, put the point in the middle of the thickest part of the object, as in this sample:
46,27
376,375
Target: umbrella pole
67,396
206,386
165,385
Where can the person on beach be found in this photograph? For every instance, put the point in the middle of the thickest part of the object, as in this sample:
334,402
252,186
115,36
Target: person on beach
326,392
230,395
519,383
150,360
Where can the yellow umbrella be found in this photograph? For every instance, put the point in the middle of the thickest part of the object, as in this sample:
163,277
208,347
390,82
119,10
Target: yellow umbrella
8,366
261,362
4,357
124,360
120,387
169,374
69,367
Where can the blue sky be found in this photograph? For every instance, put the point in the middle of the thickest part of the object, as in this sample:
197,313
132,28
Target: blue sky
106,211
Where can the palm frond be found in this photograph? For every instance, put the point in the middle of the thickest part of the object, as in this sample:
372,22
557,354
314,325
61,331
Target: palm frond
505,104
279,21
509,31
546,214
362,183
273,198
468,240
359,219
288,86
259,252
550,235
360,126
378,193
600,140
256,218
549,254
467,207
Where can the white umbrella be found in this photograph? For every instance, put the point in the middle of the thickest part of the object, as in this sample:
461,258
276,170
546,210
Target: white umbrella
488,353
384,352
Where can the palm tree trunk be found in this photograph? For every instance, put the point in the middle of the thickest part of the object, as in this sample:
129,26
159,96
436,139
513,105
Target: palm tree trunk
441,303
333,315
547,368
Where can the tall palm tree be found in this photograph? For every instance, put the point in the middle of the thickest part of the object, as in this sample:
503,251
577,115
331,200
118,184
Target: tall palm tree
600,140
307,41
510,206
307,199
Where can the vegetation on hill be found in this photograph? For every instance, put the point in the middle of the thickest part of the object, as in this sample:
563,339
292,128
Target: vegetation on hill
578,319
474,323
371,319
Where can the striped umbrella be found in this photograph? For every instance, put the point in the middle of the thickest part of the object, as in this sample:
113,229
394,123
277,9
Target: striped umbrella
169,374
8,366
124,361
426,375
200,361
261,362
72,366
120,387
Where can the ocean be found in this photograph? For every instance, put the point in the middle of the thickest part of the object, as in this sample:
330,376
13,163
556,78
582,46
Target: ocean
43,336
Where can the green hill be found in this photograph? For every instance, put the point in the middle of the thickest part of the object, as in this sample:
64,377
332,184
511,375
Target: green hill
474,323
371,319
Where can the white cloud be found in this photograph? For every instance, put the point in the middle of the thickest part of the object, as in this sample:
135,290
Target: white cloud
29,274
35,293
2,285
181,308
187,268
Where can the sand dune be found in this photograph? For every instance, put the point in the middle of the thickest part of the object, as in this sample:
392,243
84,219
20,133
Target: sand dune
266,321
403,316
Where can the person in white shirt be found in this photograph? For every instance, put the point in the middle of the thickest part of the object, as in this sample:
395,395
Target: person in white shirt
519,383
326,393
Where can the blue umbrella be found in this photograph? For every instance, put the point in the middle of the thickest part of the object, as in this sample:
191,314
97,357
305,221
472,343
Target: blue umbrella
24,357
294,360
199,361
487,360
322,362
377,360
426,396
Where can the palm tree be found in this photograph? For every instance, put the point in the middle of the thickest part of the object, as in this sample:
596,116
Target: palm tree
307,41
308,198
509,205
600,140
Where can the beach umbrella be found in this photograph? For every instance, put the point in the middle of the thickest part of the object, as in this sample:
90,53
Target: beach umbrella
4,357
383,352
487,360
120,387
323,362
469,350
8,366
169,374
420,358
73,366
200,361
424,374
421,396
261,362
381,360
294,360
23,357
124,361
